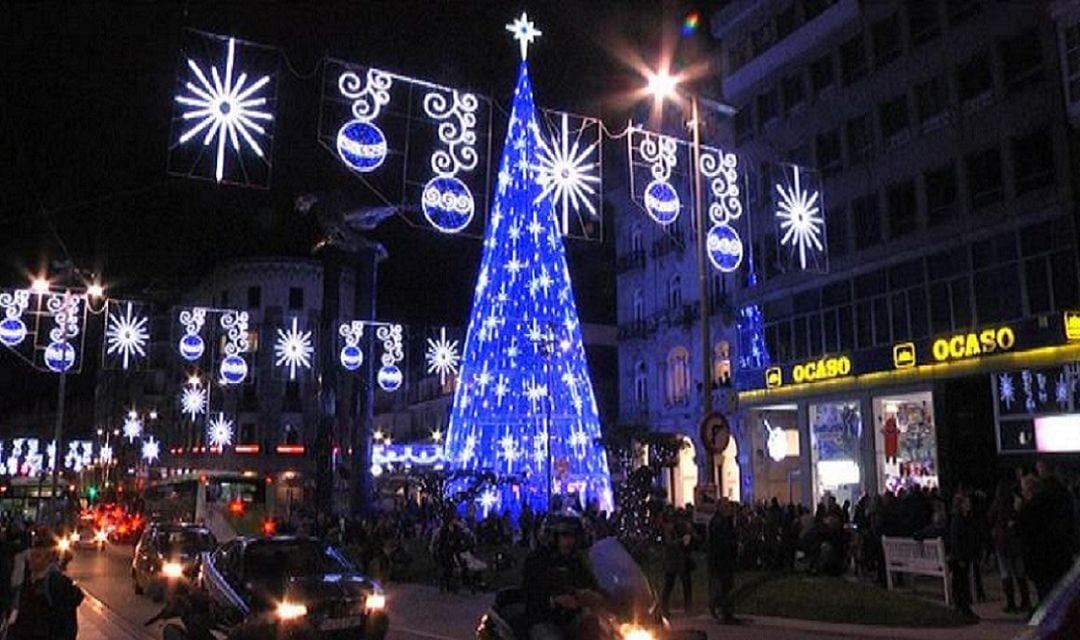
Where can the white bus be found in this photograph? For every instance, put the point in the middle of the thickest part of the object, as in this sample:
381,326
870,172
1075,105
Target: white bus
228,503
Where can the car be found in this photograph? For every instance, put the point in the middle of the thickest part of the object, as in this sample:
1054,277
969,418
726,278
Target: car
1058,615
166,552
86,536
292,587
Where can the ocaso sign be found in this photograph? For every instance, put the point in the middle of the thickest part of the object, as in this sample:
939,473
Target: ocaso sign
823,369
969,345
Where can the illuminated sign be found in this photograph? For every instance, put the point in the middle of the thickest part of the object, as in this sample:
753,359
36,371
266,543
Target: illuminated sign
1072,325
968,345
774,377
822,369
903,355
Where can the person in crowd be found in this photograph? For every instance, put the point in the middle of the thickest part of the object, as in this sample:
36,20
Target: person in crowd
49,599
723,546
963,549
560,588
1005,537
678,563
1047,529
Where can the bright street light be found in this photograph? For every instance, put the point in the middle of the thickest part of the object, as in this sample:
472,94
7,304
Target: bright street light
39,284
95,290
663,85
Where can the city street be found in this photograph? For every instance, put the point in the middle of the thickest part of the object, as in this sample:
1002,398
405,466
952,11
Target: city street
416,612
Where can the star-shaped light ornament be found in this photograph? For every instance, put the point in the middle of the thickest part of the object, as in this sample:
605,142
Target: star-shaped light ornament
525,32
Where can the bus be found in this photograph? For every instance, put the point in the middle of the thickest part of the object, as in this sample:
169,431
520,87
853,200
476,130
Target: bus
227,503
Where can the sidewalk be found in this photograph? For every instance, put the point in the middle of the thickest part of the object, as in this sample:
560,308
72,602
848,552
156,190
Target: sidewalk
98,622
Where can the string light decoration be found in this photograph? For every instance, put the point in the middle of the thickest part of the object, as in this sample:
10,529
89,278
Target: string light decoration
447,202
12,327
234,368
66,311
753,351
133,427
390,376
523,291
224,111
151,450
568,171
723,245
800,219
193,401
191,345
293,349
126,334
659,152
442,356
351,356
361,144
219,431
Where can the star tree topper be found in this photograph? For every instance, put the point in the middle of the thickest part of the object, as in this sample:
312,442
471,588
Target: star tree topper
525,32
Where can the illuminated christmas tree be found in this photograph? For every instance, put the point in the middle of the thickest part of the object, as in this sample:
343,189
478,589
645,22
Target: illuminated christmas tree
524,376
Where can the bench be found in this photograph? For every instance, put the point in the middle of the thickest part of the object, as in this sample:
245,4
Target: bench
919,557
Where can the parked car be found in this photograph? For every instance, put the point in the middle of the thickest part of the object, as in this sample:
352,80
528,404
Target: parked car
165,552
292,587
1058,615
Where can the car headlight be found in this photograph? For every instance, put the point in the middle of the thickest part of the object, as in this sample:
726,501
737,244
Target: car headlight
287,611
75,537
632,632
375,602
63,545
172,570
101,536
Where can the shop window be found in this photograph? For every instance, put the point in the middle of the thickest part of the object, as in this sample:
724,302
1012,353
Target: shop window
942,196
866,221
924,20
823,75
860,137
836,231
975,78
1037,284
1033,161
678,376
1072,61
1021,60
835,430
722,364
853,65
792,90
903,210
641,385
767,109
254,297
984,177
887,44
830,160
931,101
894,119
674,293
906,442
639,306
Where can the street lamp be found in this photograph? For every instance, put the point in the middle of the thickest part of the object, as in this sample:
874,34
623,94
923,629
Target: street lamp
664,86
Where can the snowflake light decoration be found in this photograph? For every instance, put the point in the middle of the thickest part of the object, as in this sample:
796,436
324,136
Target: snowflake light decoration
442,356
293,349
151,450
1061,390
193,401
567,172
525,32
105,454
126,335
133,427
223,107
1007,389
219,432
801,223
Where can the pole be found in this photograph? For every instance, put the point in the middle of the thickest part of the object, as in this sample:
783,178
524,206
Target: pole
58,435
703,277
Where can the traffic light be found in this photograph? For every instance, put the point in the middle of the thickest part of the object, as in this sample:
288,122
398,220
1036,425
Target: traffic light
92,493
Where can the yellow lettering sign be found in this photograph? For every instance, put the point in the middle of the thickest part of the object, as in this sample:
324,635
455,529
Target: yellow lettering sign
774,377
1072,325
970,345
903,355
823,369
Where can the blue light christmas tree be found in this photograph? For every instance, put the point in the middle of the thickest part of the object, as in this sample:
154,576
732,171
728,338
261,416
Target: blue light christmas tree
524,405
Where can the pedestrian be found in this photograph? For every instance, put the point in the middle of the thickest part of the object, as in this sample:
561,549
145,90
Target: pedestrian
678,563
49,600
963,548
1005,536
723,547
1047,528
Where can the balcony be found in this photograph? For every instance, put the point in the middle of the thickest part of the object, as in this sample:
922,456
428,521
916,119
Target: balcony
630,261
636,329
668,244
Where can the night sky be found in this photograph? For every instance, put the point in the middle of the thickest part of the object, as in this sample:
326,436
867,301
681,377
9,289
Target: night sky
85,105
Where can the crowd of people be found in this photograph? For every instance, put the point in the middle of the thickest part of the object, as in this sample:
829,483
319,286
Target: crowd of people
38,601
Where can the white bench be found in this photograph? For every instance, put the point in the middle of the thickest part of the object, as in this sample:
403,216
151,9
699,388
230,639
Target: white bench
919,557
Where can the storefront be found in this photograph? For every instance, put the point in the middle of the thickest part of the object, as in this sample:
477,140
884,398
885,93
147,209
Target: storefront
912,414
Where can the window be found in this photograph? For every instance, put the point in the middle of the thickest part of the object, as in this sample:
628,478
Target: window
1072,61
853,60
254,297
296,298
867,223
792,89
1021,60
678,376
290,435
675,292
785,22
984,177
997,294
941,194
975,78
1037,281
1066,288
923,20
886,35
1033,161
639,306
641,384
903,211
722,364
860,138
767,109
900,327
822,75
864,320
830,158
931,99
917,312
894,118
836,231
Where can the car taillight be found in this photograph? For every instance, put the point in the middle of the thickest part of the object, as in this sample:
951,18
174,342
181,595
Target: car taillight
236,508
269,527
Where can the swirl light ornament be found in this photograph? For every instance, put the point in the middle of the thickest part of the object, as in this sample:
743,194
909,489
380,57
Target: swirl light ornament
661,199
446,201
361,144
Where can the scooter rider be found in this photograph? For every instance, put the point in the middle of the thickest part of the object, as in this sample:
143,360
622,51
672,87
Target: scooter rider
559,585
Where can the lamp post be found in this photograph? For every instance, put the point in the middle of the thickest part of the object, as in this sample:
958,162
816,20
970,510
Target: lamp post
664,86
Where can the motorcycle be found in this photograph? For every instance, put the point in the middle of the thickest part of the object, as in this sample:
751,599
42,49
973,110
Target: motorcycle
630,610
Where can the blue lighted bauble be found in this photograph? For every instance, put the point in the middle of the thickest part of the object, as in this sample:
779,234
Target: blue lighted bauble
191,347
662,201
233,369
12,331
59,356
447,204
724,248
389,378
352,357
361,145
